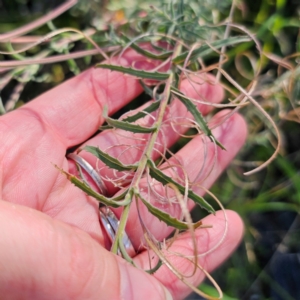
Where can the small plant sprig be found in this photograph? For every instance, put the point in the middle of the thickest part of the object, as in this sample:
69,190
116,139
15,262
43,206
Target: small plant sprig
163,37
180,40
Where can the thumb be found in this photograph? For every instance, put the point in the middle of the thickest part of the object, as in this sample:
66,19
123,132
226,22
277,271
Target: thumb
41,258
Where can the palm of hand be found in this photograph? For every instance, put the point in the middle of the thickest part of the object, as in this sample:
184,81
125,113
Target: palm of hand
71,258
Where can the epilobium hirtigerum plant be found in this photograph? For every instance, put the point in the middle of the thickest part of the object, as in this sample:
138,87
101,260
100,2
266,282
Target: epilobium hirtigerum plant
176,40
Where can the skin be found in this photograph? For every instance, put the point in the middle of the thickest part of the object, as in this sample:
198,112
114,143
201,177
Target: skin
52,245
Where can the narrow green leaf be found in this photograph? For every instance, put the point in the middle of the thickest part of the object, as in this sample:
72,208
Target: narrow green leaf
146,88
149,91
205,49
152,107
166,218
147,53
135,72
110,161
164,179
125,123
105,127
118,201
192,108
129,127
154,269
156,46
107,201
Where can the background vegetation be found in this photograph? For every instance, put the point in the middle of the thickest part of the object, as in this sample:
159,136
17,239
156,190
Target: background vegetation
267,264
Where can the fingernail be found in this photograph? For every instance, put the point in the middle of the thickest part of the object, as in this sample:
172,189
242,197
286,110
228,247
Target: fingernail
168,294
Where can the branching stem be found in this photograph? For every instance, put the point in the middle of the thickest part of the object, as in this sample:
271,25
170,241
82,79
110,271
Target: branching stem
147,153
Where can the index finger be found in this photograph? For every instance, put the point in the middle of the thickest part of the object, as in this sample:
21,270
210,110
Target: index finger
73,110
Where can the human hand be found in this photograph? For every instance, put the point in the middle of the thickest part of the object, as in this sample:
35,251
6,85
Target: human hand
52,245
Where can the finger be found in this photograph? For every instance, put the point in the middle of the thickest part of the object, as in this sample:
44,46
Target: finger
35,136
206,240
73,110
129,147
231,134
46,259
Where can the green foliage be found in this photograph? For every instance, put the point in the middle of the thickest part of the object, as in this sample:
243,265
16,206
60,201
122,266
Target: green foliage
165,217
164,179
192,108
208,49
172,28
113,202
136,73
149,109
110,161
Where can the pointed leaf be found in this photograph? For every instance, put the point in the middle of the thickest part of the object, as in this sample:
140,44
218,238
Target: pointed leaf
129,126
125,125
135,72
113,202
166,218
192,108
105,127
110,161
164,179
206,49
147,53
149,91
146,88
156,46
154,269
152,107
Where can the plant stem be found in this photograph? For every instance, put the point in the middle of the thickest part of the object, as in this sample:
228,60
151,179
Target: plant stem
162,109
122,224
147,153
